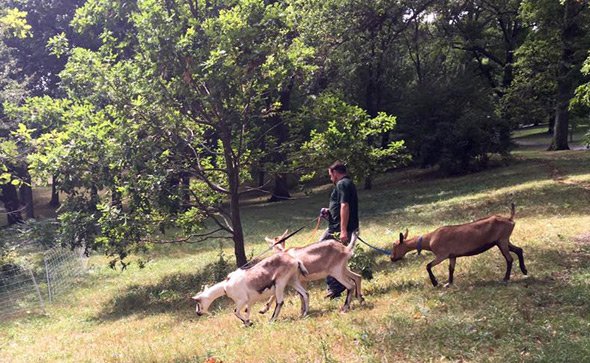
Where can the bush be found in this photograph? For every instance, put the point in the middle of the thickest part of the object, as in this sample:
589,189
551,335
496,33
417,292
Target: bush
453,124
362,262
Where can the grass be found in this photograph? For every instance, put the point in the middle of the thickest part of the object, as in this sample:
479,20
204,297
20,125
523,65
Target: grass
146,315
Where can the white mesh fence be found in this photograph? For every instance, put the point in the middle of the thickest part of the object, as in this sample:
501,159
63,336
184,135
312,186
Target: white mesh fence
62,266
19,292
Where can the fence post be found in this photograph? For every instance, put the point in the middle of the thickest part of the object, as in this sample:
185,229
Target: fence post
49,294
38,291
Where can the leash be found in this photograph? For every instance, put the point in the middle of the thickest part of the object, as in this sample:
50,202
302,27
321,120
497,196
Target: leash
388,253
315,230
270,248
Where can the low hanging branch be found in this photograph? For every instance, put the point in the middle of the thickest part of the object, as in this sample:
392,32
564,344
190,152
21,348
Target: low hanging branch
201,238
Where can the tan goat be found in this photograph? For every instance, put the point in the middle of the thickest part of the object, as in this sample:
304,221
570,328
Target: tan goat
321,259
270,276
464,240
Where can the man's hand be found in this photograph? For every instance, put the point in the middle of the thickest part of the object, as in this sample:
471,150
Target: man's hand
344,236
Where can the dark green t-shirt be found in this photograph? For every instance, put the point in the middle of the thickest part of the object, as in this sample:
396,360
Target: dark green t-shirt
344,192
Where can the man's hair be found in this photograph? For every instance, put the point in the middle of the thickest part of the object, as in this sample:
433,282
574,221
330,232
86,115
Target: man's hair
339,167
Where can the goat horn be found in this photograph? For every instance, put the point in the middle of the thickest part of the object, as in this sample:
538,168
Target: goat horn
406,234
283,239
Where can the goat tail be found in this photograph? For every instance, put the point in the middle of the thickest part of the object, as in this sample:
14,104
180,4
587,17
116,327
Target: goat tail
302,268
512,211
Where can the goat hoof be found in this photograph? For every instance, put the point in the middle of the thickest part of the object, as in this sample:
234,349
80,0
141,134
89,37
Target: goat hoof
262,311
448,284
248,323
344,309
362,299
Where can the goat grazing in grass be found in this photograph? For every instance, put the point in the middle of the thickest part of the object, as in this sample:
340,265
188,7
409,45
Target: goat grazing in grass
321,259
245,286
464,240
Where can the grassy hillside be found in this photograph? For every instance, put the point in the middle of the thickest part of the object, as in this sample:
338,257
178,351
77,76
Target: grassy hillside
146,315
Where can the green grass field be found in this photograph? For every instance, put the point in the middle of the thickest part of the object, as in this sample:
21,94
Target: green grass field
145,315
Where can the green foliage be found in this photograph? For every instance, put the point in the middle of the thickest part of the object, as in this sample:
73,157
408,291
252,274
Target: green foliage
221,268
162,121
455,125
13,23
58,45
23,244
363,262
345,132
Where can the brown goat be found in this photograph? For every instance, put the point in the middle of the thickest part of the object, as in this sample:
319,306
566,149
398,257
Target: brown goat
464,240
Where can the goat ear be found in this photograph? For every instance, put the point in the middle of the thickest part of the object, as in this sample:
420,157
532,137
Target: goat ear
406,234
195,297
401,238
269,240
284,233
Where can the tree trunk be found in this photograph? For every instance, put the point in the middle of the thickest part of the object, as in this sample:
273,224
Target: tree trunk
26,195
233,174
54,202
185,195
9,197
368,182
238,233
281,189
565,84
559,141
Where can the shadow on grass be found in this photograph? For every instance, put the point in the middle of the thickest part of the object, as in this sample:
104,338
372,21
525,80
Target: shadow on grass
170,295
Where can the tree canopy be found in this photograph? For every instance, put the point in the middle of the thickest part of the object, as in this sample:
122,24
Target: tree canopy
156,118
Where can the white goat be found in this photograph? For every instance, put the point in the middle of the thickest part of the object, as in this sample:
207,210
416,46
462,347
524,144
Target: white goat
321,259
247,286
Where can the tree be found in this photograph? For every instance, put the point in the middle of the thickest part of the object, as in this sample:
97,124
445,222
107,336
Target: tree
562,26
12,89
358,45
342,135
490,32
183,96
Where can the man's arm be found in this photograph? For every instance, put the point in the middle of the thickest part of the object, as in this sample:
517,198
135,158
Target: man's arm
344,216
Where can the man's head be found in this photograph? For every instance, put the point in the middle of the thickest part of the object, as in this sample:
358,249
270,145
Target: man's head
336,171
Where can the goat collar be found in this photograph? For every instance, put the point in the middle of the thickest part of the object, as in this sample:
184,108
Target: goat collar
419,245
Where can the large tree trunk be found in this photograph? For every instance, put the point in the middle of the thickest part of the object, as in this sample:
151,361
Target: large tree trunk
9,197
559,141
551,125
565,83
54,202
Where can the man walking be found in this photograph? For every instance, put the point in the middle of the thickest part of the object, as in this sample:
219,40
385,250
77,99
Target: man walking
342,215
